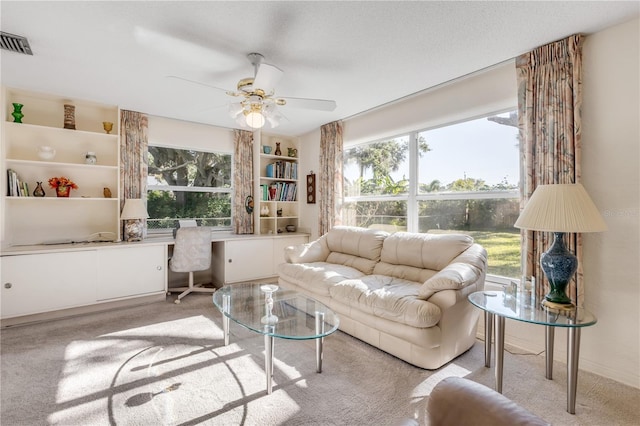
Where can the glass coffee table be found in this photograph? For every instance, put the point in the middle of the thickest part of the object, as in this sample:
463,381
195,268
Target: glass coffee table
273,311
497,305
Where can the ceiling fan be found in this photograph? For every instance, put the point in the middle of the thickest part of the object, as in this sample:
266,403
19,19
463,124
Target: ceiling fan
258,104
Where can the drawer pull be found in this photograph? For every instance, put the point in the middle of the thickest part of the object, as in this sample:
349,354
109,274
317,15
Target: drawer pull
8,285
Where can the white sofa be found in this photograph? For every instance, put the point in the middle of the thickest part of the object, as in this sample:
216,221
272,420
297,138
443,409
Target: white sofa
405,293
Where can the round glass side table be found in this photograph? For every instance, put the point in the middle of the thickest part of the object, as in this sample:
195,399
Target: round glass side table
497,305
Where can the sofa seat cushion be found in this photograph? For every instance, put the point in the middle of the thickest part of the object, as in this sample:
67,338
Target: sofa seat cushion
387,297
317,277
410,273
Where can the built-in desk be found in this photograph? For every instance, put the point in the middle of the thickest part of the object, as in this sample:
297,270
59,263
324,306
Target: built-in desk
49,281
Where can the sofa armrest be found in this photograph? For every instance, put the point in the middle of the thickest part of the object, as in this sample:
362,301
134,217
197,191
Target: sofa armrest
456,276
459,401
315,251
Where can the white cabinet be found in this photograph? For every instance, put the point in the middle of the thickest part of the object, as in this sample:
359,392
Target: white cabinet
33,220
45,282
37,283
278,186
131,271
250,258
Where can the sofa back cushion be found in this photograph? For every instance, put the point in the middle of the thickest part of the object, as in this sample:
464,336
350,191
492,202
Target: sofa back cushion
423,251
358,248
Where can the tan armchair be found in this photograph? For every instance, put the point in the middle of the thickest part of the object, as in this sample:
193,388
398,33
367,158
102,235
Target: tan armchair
457,401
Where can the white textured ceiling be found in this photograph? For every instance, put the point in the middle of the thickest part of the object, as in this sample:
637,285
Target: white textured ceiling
360,54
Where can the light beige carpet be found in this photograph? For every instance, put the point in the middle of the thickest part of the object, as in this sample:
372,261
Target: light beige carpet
165,364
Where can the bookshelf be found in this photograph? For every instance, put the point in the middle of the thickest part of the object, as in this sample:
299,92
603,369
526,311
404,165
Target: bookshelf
29,219
278,187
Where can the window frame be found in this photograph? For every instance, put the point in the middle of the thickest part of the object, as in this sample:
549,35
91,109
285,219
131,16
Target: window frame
413,197
206,189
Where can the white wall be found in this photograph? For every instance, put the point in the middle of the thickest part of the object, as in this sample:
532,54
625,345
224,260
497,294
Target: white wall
610,173
309,154
611,154
177,133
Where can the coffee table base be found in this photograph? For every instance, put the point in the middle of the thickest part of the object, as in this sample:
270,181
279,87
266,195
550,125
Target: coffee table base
269,343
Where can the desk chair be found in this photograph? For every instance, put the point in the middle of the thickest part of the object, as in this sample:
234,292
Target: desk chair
191,252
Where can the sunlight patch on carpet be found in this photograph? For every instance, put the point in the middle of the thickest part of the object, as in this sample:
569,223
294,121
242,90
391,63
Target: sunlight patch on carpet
427,385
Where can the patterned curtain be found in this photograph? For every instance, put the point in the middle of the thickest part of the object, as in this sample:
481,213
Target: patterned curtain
549,115
242,181
133,156
330,177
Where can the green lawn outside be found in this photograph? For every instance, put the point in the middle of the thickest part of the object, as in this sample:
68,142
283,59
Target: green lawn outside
503,250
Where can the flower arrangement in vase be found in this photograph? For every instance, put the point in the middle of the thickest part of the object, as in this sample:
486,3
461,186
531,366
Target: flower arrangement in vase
62,185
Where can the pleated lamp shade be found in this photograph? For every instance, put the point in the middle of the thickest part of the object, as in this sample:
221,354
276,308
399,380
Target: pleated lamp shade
134,209
561,208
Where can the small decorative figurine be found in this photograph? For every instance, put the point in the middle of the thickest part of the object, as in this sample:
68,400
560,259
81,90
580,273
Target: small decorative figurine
90,158
278,151
106,192
39,191
69,117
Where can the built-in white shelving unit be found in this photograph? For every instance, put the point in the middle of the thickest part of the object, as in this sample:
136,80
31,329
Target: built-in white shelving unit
278,188
33,220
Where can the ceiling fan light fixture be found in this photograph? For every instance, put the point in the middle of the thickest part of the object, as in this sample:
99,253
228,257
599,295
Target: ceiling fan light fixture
255,120
236,110
272,115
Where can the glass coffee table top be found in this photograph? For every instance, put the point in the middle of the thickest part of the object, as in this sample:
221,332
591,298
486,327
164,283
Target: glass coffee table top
293,315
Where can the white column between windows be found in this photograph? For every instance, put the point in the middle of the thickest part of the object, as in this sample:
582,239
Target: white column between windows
412,203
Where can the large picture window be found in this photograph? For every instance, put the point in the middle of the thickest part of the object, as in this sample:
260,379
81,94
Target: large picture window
461,177
188,184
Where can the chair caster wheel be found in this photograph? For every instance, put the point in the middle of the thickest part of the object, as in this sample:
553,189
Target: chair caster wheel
177,301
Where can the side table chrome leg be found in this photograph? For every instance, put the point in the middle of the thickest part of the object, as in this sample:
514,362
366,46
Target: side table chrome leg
319,341
268,361
499,351
226,302
573,353
549,333
488,335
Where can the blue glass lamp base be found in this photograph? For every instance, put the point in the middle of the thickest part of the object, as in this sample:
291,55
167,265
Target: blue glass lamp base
559,265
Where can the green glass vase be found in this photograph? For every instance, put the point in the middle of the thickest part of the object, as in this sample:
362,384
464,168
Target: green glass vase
17,113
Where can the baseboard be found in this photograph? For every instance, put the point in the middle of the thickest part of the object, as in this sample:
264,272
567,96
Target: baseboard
81,310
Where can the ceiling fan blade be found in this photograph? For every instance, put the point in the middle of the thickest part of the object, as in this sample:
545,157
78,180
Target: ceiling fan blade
185,51
267,77
229,92
317,104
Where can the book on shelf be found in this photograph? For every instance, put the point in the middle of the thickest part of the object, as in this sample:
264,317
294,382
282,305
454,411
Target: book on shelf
15,186
282,170
279,191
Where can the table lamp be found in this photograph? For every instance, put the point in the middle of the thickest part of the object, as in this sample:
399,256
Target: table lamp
560,208
133,212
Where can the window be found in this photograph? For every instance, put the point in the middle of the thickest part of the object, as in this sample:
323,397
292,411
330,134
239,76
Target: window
461,177
188,184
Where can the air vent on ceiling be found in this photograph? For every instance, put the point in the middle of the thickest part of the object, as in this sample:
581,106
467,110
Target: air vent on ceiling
15,43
